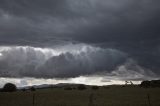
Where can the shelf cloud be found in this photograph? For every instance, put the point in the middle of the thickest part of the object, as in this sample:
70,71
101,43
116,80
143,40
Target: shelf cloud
61,63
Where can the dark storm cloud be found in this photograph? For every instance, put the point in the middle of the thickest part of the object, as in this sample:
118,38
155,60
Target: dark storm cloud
131,26
63,63
105,20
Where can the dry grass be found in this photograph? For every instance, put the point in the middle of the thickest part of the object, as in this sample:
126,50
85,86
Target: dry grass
112,96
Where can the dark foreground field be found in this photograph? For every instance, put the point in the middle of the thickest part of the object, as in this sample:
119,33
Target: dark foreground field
104,96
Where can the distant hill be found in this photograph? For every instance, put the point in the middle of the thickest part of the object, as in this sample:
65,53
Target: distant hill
44,86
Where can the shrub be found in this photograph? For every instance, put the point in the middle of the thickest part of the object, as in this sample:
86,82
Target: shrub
68,88
123,86
23,89
74,88
33,89
9,87
95,87
106,87
82,87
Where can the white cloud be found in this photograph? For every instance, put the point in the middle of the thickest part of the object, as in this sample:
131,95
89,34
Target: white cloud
88,80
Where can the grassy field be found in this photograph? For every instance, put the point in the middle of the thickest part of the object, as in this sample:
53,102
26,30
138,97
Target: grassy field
109,96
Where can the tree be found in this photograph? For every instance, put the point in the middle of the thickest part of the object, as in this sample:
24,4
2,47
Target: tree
153,83
82,87
95,87
33,88
145,84
9,87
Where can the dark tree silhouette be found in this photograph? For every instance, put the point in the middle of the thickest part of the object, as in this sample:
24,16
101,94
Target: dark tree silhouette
82,87
153,83
145,84
68,88
23,89
33,89
95,87
9,87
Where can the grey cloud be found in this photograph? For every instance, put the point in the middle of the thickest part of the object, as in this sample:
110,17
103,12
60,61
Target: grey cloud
85,63
30,9
32,62
132,71
129,71
89,21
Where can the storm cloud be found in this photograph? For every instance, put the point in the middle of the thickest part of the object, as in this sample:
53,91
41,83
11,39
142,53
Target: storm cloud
52,63
121,30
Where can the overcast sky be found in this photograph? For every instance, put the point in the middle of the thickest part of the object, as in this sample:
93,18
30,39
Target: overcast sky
72,38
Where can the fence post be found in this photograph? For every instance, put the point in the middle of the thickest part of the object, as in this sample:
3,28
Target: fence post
91,100
148,98
33,102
